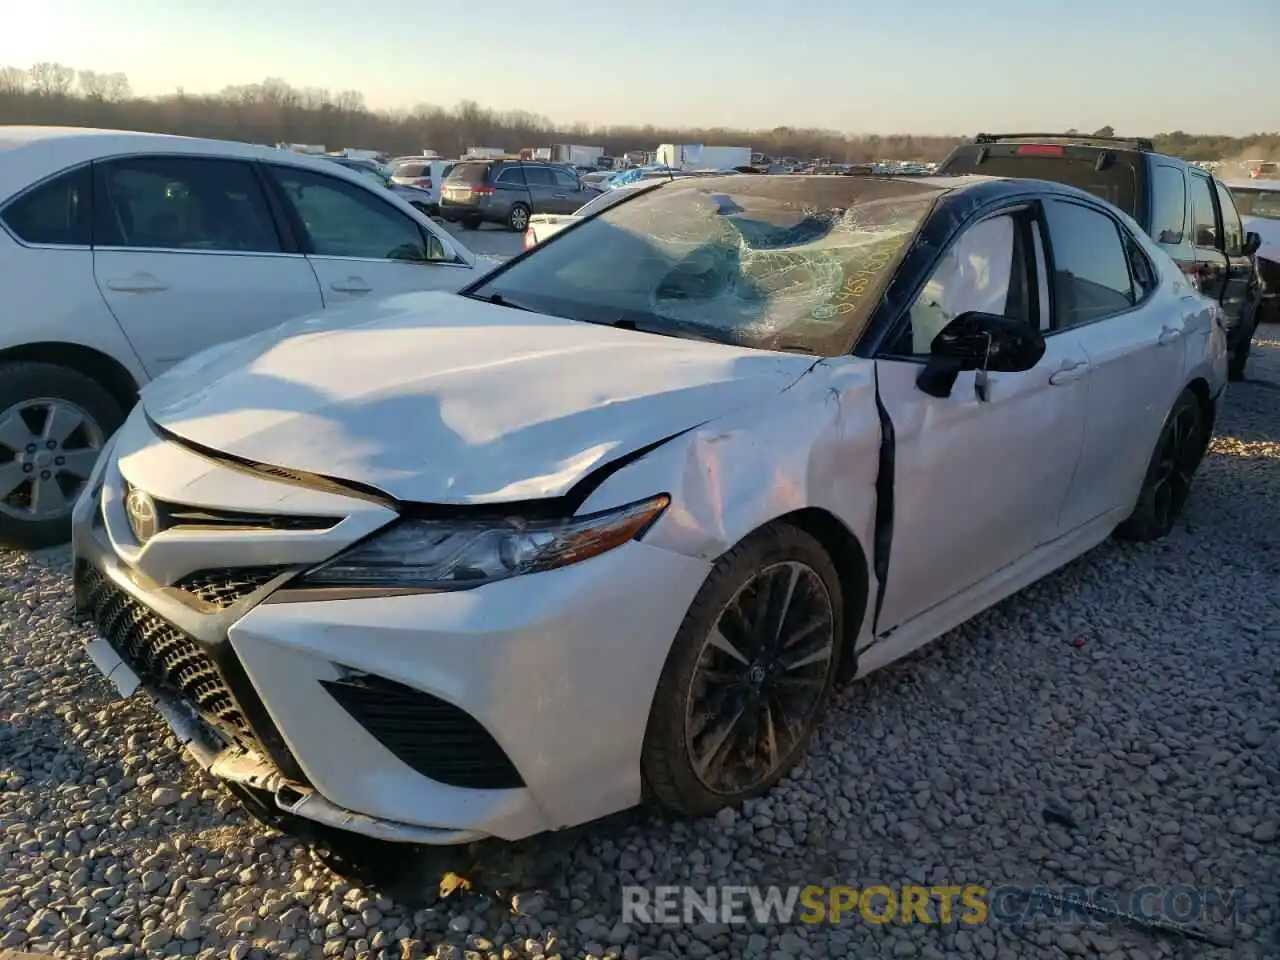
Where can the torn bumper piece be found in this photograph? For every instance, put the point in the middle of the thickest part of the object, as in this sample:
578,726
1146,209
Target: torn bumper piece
242,767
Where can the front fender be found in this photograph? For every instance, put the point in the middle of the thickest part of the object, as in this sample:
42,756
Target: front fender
815,446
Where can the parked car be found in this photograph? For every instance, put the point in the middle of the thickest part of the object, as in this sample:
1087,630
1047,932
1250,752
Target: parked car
1259,204
509,192
424,173
543,225
675,473
416,197
1188,213
123,253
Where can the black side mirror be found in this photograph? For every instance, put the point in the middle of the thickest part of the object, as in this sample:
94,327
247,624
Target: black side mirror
1252,243
979,341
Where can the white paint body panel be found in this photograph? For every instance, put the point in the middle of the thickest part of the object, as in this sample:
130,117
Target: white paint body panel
52,295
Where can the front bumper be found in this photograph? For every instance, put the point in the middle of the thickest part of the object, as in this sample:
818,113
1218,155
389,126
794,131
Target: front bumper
558,670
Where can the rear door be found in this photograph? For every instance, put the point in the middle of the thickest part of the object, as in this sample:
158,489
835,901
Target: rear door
1239,290
187,254
361,245
1103,295
1212,270
543,190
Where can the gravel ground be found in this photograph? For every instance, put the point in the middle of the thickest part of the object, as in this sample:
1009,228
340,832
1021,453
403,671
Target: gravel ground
1117,723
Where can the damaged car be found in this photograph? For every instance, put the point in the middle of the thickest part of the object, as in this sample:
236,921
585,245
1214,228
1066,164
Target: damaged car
612,523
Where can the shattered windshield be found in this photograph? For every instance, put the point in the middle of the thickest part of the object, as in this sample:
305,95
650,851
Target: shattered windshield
777,263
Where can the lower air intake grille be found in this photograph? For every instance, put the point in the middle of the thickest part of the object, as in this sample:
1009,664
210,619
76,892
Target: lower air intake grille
223,587
160,653
433,737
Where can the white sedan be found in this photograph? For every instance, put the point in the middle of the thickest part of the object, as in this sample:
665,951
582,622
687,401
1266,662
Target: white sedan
623,512
123,253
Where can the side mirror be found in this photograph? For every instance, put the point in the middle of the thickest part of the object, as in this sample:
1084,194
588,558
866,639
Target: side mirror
979,341
1252,243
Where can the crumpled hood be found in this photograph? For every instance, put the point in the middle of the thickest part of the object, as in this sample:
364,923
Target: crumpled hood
432,397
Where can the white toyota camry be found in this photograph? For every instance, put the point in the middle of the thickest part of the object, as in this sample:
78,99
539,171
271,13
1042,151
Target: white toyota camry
612,522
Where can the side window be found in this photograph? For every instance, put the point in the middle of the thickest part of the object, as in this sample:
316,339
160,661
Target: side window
58,211
1232,228
975,273
565,180
345,220
1204,223
1141,271
1090,265
184,203
511,175
1169,205
539,177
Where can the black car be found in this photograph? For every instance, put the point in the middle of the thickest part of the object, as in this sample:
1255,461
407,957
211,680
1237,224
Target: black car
1180,206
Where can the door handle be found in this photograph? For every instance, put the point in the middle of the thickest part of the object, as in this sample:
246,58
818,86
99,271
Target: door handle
1169,335
1069,372
139,283
560,196
350,285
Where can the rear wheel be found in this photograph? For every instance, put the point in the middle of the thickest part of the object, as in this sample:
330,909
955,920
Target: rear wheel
749,672
53,424
1167,484
518,218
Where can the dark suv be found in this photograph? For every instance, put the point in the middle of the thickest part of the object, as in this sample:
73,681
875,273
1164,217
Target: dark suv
1183,208
508,191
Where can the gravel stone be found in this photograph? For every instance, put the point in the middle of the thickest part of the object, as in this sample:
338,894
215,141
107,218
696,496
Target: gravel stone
1117,723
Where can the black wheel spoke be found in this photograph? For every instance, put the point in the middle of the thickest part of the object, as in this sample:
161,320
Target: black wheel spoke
760,678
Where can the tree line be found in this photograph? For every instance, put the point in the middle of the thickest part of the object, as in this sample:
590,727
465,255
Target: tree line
273,111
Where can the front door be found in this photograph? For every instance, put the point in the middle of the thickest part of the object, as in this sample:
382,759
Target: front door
568,196
188,255
1240,290
361,246
978,483
1102,294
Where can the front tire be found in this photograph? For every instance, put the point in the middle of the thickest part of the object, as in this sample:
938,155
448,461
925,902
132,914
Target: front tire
1167,484
53,425
748,674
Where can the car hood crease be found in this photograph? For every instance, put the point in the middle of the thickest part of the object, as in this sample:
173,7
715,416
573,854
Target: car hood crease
441,399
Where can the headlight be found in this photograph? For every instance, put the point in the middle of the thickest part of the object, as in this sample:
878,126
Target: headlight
459,555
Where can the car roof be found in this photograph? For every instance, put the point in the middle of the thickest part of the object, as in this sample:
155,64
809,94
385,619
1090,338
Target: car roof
29,154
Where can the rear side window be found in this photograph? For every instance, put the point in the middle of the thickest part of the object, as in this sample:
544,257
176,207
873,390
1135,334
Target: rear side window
1169,205
1090,265
539,177
514,175
1204,222
470,173
184,203
1232,228
58,211
414,170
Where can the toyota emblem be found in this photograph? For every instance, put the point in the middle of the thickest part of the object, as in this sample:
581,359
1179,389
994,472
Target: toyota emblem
144,521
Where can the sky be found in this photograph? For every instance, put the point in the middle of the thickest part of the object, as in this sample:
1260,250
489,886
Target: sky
860,66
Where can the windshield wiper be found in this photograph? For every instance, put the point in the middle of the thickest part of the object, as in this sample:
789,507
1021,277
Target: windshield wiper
498,300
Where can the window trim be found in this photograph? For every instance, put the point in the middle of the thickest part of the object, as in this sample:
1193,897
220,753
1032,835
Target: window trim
304,240
1051,263
1011,207
31,188
284,236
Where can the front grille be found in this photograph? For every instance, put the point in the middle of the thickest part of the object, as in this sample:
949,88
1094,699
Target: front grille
160,653
172,516
435,738
224,586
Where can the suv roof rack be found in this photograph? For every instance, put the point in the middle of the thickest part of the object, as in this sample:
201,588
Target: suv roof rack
1144,144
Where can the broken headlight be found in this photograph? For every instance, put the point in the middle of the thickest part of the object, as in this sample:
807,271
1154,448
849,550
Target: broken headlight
458,555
